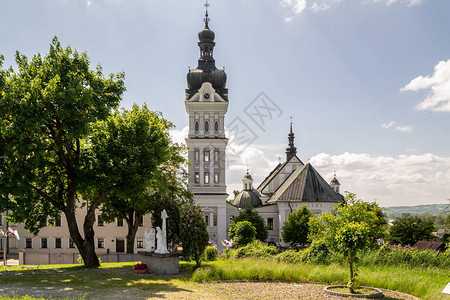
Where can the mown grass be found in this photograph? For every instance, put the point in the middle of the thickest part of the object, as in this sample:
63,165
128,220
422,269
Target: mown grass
421,282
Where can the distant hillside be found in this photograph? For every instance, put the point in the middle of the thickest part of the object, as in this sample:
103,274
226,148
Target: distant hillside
432,209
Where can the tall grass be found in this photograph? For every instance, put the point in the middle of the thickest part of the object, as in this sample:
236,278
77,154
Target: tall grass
423,283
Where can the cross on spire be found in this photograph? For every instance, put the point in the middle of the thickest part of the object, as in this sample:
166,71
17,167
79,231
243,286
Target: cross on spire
206,14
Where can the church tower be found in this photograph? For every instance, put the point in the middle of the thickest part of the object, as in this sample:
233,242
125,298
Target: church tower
206,104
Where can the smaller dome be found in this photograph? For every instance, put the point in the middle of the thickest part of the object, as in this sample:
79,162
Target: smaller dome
248,176
247,198
334,181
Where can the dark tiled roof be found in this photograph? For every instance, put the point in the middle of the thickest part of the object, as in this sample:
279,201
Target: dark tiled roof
306,184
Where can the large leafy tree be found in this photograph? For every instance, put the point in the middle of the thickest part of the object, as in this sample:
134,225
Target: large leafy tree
47,108
193,232
249,214
408,231
352,228
296,228
134,146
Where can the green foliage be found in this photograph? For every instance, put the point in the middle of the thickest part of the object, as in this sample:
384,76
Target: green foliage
410,230
137,140
210,253
193,232
47,108
296,229
353,228
250,215
255,249
317,253
431,209
242,233
405,257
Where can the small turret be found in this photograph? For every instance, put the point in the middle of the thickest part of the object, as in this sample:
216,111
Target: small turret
335,185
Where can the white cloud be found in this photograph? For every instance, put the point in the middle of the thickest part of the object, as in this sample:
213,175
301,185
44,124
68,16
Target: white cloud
299,6
409,179
439,83
388,125
408,128
316,7
402,180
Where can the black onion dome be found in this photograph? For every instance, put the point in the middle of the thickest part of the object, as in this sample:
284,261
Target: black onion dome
206,70
247,198
334,181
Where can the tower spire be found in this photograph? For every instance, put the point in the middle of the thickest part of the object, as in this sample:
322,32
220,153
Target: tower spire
206,19
291,151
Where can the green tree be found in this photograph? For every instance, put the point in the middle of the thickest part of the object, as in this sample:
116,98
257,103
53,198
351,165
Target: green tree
142,136
249,214
408,231
47,108
296,229
193,232
242,233
351,229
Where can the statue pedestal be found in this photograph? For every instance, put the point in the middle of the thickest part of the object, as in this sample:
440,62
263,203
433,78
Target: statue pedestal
161,264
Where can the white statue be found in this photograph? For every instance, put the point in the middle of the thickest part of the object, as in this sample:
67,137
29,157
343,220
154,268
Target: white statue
150,240
161,235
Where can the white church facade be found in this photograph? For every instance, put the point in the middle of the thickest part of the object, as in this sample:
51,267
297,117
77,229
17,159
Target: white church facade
288,187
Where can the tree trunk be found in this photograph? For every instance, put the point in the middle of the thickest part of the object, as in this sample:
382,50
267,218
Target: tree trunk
132,229
91,259
86,247
351,283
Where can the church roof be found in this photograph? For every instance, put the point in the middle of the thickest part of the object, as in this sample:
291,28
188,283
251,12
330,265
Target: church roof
305,184
274,173
247,198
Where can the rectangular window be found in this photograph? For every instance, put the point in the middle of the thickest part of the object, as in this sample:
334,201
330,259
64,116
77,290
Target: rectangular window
58,222
58,243
120,222
197,177
196,155
270,224
215,220
206,155
44,243
29,243
141,221
206,177
216,177
140,243
71,244
100,243
100,221
216,155
1,219
207,220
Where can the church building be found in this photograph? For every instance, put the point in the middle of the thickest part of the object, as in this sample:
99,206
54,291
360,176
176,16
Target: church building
289,186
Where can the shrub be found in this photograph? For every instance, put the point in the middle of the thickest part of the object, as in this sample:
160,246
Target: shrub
317,253
210,253
290,256
256,249
242,233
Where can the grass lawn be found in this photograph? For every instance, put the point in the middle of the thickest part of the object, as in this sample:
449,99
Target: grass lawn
117,280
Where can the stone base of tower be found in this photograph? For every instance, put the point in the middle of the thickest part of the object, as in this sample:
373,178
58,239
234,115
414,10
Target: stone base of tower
214,208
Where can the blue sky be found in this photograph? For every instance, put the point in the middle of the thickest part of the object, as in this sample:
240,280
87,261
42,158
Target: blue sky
367,82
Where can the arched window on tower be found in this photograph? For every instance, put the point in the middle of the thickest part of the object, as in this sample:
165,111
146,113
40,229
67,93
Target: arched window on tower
206,127
196,127
216,126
